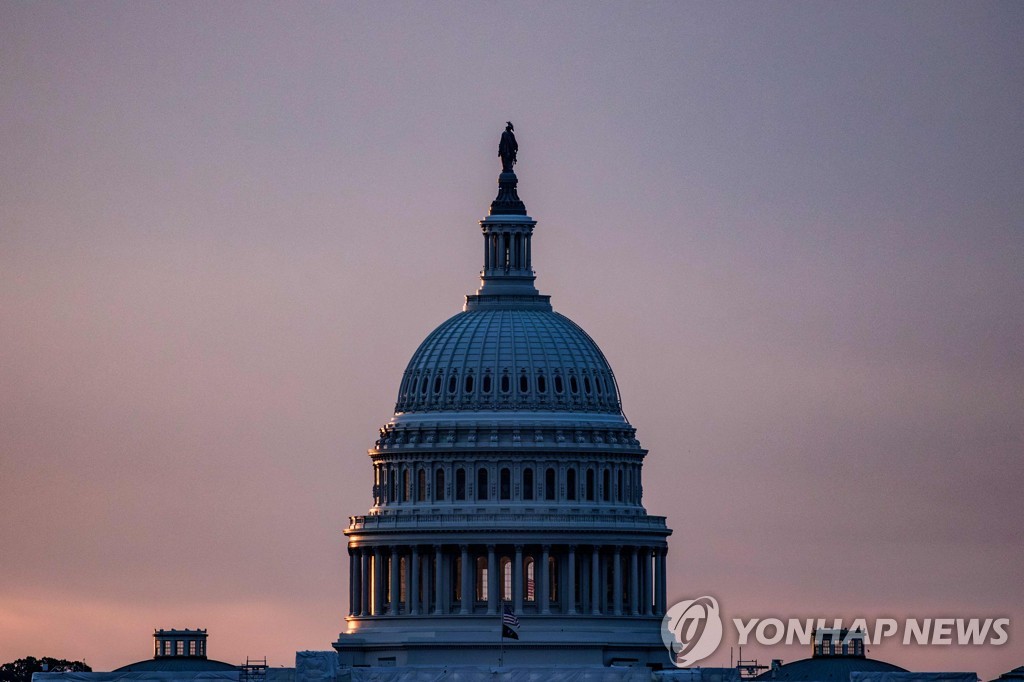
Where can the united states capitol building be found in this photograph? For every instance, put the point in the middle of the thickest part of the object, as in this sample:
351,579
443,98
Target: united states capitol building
508,478
507,540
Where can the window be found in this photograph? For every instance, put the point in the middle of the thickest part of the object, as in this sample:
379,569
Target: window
487,383
424,383
437,384
570,484
481,484
406,486
453,383
606,492
542,385
558,384
597,384
549,484
504,383
439,485
506,484
506,579
524,383
574,387
586,385
530,580
469,383
401,579
590,485
527,483
421,486
393,478
618,486
457,578
460,484
179,648
192,648
481,578
552,579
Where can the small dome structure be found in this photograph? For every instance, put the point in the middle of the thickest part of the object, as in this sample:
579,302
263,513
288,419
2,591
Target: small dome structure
178,651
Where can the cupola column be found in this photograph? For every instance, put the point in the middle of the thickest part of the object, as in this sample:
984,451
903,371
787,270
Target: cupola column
570,596
517,580
492,581
412,591
545,580
617,581
438,581
634,582
465,574
394,583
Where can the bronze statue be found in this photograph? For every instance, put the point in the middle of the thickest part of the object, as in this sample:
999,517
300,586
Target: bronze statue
507,148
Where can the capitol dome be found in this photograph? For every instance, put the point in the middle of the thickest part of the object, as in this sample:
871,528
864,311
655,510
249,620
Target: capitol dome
507,479
508,359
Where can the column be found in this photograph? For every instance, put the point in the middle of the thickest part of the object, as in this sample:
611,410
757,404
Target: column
648,592
545,579
353,582
595,582
570,597
517,580
395,583
617,581
492,581
427,582
634,581
466,573
659,583
413,591
365,583
378,583
439,607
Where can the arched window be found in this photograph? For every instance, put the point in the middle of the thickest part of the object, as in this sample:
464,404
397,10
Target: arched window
618,486
481,484
421,486
527,483
590,485
506,579
505,383
586,385
460,484
542,384
506,484
393,478
549,484
574,387
481,578
524,383
570,484
437,384
469,383
439,485
529,579
487,383
606,492
597,384
558,384
406,486
453,383
424,383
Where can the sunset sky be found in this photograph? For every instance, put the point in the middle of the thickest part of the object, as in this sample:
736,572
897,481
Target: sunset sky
795,229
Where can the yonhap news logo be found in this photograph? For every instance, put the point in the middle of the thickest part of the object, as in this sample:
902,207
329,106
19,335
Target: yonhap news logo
692,630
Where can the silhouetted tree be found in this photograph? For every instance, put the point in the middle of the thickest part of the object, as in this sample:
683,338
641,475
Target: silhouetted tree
21,670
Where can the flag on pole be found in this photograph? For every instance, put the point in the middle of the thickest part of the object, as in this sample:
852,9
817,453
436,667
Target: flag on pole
509,620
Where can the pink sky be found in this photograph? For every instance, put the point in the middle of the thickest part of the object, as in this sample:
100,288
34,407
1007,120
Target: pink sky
796,230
